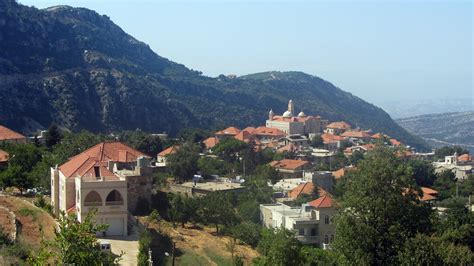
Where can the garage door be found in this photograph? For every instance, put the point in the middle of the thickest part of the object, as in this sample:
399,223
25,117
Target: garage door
115,226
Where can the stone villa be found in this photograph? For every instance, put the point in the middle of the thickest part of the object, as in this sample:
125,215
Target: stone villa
110,177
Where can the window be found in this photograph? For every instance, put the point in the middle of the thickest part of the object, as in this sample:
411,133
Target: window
301,231
314,232
332,239
93,199
114,198
326,219
326,239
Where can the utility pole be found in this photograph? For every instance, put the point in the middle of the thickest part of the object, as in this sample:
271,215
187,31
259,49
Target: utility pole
174,248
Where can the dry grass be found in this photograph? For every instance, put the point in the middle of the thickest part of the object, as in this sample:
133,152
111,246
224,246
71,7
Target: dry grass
31,219
203,244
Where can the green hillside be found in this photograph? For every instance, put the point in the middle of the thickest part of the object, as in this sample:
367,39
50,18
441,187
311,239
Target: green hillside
78,69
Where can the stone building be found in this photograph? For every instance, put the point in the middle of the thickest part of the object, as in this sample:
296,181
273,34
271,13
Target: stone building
110,177
296,124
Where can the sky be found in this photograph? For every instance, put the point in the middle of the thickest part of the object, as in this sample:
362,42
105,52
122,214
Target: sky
381,51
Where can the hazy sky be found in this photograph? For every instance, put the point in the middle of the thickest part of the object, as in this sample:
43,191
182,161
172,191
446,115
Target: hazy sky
378,50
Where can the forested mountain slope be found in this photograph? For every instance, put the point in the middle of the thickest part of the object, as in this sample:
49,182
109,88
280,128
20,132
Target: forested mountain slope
78,69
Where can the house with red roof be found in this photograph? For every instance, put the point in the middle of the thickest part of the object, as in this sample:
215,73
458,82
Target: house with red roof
110,177
337,128
357,136
162,155
4,156
210,143
289,168
9,136
229,132
313,222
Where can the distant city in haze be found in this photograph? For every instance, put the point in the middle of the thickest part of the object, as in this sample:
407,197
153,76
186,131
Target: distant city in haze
389,53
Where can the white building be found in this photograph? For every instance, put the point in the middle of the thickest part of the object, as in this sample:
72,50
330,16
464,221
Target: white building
312,222
300,124
451,163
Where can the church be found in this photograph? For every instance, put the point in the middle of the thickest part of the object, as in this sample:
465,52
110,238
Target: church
300,124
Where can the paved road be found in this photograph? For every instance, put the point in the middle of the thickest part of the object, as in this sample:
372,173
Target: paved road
128,244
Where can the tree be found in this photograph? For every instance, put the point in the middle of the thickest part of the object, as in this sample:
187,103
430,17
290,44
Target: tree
23,158
247,232
74,143
142,141
217,209
53,136
317,142
229,149
457,225
76,243
279,247
356,157
448,151
183,209
445,184
430,250
143,247
212,166
423,172
268,173
380,210
183,164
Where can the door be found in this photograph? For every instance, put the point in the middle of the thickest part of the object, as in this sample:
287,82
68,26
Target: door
115,226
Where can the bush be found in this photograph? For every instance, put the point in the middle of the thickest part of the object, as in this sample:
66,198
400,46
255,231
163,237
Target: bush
247,232
143,247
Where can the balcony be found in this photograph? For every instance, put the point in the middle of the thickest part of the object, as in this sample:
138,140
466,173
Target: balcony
114,203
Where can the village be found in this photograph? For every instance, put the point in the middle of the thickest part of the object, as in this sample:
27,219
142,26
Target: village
302,157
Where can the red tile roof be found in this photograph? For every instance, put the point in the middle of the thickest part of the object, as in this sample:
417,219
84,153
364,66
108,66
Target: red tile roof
322,202
465,158
429,194
8,134
327,138
288,148
270,132
168,151
99,155
355,134
4,156
395,142
251,130
289,164
230,131
379,136
245,136
210,142
307,188
343,171
339,125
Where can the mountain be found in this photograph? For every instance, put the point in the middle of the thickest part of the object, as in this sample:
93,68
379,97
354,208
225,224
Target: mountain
78,69
443,129
417,107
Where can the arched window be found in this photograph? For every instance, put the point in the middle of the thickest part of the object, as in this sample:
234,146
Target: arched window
93,199
114,198
326,219
326,239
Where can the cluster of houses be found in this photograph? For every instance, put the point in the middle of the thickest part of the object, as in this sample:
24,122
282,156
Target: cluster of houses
116,179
